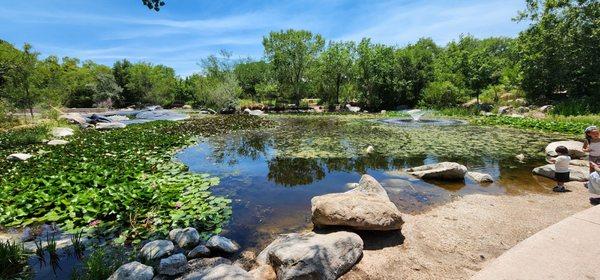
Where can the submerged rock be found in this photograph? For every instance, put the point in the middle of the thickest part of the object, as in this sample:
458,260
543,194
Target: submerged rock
578,173
59,132
247,260
480,177
157,249
442,170
222,244
575,148
312,256
18,156
133,271
366,207
185,238
173,265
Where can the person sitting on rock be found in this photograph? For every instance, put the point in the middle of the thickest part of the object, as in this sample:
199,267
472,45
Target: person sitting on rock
594,184
561,168
592,145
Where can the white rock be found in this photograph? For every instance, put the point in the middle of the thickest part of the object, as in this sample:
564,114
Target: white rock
133,271
57,142
312,256
546,108
520,157
61,132
74,118
173,265
18,156
575,148
366,207
110,125
370,149
185,238
480,177
117,118
157,249
442,170
223,244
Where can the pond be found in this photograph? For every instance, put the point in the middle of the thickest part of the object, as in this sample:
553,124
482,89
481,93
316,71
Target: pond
272,174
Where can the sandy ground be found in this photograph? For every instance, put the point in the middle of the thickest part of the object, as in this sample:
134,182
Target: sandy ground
455,240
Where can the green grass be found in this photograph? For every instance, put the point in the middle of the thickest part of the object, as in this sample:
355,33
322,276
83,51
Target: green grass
102,262
120,183
13,261
571,125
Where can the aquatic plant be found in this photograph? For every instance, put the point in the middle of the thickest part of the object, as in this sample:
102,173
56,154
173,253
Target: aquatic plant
78,245
554,124
119,183
13,261
102,262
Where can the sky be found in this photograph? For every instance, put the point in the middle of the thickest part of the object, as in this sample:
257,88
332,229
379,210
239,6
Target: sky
185,31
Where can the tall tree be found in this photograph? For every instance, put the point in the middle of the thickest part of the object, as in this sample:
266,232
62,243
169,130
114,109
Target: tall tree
335,69
291,53
19,85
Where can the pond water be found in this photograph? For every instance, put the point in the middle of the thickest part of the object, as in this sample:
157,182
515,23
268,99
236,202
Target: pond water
272,174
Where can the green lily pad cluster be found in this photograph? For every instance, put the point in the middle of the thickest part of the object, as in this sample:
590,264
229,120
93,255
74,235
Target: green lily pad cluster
120,184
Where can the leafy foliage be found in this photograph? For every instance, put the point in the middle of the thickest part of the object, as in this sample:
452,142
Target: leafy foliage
118,184
564,125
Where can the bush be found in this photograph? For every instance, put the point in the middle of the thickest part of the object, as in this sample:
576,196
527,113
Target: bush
23,136
576,107
442,95
102,263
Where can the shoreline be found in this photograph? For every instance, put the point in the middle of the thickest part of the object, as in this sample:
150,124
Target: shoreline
457,239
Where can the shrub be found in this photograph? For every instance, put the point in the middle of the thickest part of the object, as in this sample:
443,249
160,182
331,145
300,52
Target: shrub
576,107
442,95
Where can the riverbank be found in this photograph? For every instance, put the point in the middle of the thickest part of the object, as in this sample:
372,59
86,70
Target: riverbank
455,240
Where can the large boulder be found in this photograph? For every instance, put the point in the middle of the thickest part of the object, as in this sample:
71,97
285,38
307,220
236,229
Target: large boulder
366,207
173,265
263,272
311,255
157,249
442,170
219,272
480,177
578,173
185,238
18,156
575,148
133,271
59,132
222,244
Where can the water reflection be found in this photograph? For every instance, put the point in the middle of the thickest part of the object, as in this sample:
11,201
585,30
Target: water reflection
272,175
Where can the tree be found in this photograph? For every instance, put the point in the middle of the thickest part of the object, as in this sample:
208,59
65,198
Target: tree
19,79
151,84
250,74
560,51
153,4
335,67
291,53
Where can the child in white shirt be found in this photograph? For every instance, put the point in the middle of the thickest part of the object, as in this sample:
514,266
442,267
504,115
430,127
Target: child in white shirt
594,184
561,168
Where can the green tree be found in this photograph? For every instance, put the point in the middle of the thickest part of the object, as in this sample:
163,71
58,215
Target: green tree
151,84
560,51
334,70
20,79
250,74
291,53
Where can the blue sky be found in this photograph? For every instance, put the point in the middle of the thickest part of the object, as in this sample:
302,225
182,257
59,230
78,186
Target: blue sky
185,31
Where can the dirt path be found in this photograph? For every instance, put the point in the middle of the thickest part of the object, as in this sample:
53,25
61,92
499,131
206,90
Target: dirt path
455,240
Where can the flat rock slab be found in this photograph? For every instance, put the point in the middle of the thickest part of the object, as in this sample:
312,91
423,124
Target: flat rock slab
222,271
575,148
110,125
480,177
61,132
312,255
57,142
578,173
442,170
18,156
366,207
566,250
